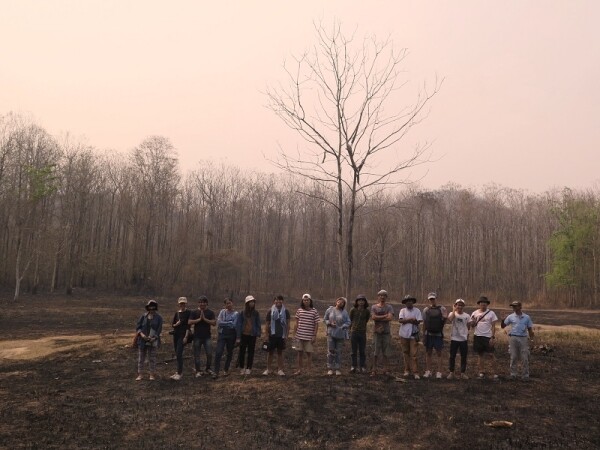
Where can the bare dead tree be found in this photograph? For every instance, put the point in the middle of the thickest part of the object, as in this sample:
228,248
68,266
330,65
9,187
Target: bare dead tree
337,99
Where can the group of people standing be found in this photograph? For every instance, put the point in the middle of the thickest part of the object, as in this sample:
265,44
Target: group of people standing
243,328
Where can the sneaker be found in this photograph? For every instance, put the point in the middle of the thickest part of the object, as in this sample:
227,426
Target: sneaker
406,374
225,373
330,372
176,377
450,376
266,372
338,372
151,378
198,374
481,376
281,373
438,375
243,372
139,378
363,370
417,377
214,376
427,374
513,377
248,371
464,376
526,378
495,377
352,370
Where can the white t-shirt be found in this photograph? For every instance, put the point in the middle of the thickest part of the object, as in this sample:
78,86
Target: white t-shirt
484,326
460,330
406,329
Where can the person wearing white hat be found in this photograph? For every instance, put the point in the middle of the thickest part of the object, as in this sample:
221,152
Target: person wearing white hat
459,335
248,330
180,328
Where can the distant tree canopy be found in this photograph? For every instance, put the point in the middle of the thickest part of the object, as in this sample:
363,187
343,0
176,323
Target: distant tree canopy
575,246
73,217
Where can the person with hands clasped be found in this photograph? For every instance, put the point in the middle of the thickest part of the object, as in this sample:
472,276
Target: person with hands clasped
521,330
337,321
228,337
202,319
459,335
148,329
382,314
180,328
409,318
483,321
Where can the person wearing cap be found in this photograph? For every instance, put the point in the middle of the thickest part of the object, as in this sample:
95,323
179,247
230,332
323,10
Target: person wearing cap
381,314
337,321
249,328
148,329
483,321
459,335
277,328
180,327
434,318
359,316
305,332
521,330
228,337
410,318
202,319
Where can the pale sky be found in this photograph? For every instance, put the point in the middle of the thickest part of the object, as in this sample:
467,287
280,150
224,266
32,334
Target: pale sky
519,106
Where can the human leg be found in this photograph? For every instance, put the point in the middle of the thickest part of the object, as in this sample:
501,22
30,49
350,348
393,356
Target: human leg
229,345
242,351
354,338
196,347
454,346
362,346
464,350
515,353
179,354
219,353
251,348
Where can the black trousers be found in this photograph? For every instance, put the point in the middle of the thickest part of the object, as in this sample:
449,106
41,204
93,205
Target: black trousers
247,342
456,346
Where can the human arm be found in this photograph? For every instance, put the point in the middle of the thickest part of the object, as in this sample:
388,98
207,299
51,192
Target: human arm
287,318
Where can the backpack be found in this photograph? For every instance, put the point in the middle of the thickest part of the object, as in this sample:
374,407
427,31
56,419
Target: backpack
435,320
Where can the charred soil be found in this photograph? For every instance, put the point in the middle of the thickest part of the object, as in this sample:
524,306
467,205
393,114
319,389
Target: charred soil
67,381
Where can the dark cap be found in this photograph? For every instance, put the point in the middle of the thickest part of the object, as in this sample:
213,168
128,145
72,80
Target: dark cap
515,304
408,298
483,299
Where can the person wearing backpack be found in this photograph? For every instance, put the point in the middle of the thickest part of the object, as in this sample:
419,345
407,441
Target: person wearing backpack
434,318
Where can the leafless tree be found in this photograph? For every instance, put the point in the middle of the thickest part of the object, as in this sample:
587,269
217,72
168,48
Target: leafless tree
337,98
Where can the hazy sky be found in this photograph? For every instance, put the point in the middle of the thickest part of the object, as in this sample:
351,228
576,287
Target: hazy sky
519,106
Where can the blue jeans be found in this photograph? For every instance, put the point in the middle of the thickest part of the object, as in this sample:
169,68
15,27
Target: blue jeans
226,339
198,344
334,352
178,346
359,343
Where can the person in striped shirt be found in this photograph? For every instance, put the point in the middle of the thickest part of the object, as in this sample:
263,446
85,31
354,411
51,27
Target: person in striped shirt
305,332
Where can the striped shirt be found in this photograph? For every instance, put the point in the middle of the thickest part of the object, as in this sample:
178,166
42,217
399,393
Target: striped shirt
307,320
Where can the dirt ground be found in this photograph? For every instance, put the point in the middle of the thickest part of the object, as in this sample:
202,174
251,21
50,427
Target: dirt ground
67,381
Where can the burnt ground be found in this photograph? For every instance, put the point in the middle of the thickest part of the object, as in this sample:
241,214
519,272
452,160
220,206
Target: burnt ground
67,381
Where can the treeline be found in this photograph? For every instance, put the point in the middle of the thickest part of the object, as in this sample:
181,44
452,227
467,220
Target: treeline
72,217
